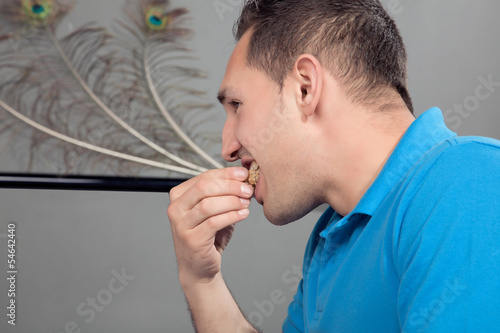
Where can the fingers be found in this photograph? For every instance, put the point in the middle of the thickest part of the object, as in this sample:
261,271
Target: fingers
215,206
217,196
236,173
200,196
202,214
214,223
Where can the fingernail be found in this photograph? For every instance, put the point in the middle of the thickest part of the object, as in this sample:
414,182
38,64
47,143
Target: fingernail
240,173
245,202
244,212
246,189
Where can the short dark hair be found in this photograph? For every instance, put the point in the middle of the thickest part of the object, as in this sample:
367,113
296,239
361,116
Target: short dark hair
356,39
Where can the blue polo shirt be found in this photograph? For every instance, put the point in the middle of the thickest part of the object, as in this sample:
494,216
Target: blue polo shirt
421,250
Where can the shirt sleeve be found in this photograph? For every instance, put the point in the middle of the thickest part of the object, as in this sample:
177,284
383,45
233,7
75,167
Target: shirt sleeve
448,256
294,322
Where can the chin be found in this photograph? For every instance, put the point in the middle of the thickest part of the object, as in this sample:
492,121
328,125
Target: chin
280,216
288,205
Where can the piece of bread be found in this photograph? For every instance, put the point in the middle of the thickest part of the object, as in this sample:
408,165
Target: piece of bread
253,174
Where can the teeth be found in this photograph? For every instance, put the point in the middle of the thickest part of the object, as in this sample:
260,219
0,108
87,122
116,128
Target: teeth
253,174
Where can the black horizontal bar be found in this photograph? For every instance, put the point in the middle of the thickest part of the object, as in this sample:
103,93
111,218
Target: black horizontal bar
91,183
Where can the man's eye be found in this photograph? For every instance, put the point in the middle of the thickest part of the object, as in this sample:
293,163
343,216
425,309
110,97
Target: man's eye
235,104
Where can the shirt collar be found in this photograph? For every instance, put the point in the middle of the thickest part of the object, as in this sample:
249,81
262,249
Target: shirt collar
425,132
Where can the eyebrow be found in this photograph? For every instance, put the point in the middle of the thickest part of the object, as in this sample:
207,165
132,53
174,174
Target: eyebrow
221,96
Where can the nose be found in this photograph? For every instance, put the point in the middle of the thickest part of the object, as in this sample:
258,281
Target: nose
230,144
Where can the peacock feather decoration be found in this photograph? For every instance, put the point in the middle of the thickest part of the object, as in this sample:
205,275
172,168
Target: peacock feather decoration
39,13
101,102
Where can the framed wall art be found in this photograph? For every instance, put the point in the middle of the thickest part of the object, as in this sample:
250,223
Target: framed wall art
101,108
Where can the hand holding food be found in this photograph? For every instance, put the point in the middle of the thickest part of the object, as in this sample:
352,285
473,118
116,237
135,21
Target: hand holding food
202,214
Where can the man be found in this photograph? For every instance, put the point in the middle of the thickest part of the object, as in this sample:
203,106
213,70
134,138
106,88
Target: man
315,93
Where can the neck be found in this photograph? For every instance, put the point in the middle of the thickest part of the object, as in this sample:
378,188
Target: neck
365,140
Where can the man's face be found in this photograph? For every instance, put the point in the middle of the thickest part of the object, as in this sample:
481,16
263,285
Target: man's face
263,124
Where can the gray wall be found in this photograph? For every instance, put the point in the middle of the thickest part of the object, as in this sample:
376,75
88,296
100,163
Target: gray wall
72,244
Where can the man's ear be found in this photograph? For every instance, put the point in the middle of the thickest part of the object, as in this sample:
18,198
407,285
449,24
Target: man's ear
309,78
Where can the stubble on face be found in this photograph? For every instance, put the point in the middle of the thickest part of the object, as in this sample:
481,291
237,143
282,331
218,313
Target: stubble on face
265,128
290,193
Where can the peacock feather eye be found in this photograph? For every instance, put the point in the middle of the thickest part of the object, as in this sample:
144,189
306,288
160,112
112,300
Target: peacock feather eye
38,11
156,18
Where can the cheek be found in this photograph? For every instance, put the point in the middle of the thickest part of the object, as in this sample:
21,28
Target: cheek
244,132
262,132
249,129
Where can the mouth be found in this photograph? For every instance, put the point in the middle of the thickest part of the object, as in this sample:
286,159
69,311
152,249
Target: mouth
246,162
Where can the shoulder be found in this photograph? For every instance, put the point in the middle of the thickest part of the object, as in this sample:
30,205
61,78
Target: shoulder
461,166
452,197
460,174
464,152
450,220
